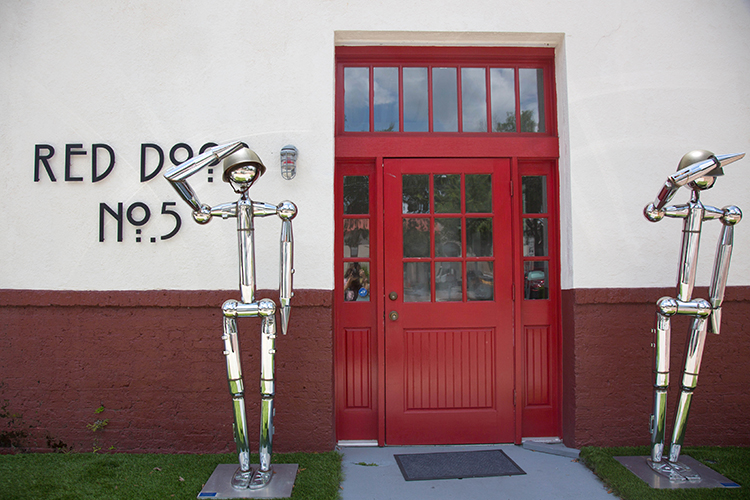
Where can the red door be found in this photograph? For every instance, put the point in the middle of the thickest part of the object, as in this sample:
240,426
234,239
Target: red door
448,301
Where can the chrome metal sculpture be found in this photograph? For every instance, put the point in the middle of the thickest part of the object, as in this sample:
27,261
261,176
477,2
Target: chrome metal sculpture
697,170
241,168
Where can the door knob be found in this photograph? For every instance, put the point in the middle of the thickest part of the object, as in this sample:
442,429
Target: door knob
393,315
393,295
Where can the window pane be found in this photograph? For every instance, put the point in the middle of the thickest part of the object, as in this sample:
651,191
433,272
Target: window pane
448,279
444,100
448,237
535,280
385,105
416,194
356,238
447,193
473,100
535,237
356,281
534,194
503,94
479,281
416,281
479,237
356,194
531,84
478,193
415,100
416,237
357,99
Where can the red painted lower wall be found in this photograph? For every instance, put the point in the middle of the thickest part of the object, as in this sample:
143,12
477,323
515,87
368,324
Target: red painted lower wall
153,361
608,363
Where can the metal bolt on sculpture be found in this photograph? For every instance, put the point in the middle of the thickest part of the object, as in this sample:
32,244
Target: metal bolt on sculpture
697,170
241,168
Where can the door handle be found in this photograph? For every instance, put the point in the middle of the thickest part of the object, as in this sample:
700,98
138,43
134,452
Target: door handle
393,315
393,295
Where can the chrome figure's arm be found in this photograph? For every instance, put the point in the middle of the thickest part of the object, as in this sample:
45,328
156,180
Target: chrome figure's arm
712,166
286,210
731,216
178,175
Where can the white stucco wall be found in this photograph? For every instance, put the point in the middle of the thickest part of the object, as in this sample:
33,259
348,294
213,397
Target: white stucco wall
639,84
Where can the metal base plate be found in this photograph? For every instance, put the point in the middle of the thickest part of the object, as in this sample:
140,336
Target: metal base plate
219,485
709,477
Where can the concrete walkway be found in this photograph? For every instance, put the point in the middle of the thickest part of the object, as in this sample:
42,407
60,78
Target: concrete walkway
372,473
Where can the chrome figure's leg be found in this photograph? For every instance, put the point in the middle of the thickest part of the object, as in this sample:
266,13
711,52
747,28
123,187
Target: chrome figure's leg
667,307
694,353
244,473
267,393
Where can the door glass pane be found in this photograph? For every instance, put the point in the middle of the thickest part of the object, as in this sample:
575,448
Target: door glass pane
535,237
479,237
357,99
531,85
415,100
478,193
385,105
357,281
480,284
416,281
534,194
448,237
503,96
474,100
416,237
356,194
448,279
536,280
447,193
356,238
444,100
416,194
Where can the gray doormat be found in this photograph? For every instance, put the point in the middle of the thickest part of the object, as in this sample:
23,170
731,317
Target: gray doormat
456,465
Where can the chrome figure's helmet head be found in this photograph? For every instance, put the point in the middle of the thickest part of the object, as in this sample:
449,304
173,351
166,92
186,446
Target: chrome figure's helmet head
242,168
707,181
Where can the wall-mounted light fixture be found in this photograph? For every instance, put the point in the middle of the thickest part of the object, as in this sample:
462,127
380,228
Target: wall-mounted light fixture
288,162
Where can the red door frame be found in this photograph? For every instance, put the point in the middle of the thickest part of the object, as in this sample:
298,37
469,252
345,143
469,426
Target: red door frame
527,152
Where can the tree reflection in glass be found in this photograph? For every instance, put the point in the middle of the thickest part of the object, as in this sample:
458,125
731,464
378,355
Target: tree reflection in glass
416,237
356,194
416,194
447,193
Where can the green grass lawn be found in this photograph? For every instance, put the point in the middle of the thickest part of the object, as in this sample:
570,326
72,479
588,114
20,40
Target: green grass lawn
731,462
146,476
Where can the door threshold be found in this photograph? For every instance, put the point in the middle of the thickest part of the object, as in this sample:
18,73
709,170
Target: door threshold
358,442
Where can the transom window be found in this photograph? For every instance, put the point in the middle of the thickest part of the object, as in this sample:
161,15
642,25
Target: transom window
479,98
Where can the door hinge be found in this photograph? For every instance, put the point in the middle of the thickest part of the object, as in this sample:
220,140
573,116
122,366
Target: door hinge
514,397
513,291
511,189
